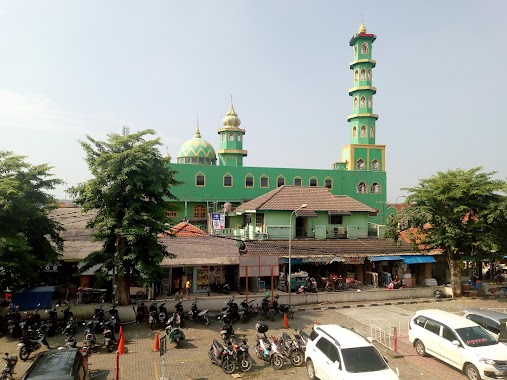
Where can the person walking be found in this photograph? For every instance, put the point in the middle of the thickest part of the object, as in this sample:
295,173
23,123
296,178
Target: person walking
188,285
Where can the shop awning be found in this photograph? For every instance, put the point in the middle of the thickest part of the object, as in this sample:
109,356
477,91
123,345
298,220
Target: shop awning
384,258
419,259
312,259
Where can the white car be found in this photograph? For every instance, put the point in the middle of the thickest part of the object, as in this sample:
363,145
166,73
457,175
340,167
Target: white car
493,321
335,352
459,342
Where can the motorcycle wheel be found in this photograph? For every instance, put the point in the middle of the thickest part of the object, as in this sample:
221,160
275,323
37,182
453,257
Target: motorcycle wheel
206,319
24,353
297,358
178,344
291,314
228,365
277,361
246,363
110,348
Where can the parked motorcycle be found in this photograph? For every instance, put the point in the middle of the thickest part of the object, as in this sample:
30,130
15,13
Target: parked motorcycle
222,356
180,312
268,351
14,321
301,339
52,321
198,315
98,315
109,338
90,340
113,313
292,350
153,315
310,287
173,331
266,311
242,357
67,315
230,311
8,370
216,287
70,341
28,345
163,315
247,310
70,327
283,308
226,331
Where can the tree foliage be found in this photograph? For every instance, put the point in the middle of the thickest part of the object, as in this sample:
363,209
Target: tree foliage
129,191
461,213
29,239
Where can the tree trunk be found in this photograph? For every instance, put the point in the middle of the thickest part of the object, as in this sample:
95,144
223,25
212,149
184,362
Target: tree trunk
455,270
122,294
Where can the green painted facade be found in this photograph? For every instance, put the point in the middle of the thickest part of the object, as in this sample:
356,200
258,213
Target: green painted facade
210,182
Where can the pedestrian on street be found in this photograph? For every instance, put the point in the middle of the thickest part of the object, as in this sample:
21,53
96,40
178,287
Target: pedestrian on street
188,285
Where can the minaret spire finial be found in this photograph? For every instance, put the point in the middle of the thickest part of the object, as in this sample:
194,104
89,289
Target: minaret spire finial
197,134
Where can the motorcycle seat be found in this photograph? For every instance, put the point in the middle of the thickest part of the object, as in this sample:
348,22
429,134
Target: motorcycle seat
202,313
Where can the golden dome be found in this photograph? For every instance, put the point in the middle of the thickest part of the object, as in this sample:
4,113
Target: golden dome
231,119
362,29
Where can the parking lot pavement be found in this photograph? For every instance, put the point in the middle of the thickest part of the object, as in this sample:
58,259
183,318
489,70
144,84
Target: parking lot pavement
191,360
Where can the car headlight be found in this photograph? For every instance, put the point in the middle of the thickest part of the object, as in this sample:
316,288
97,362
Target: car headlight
487,361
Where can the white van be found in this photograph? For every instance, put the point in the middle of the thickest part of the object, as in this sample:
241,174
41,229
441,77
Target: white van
459,342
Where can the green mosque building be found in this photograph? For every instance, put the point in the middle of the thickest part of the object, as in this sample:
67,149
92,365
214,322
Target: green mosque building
217,180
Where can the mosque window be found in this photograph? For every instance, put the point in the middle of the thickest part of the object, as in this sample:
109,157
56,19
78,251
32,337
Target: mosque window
264,181
171,214
187,160
222,135
369,75
360,164
356,76
362,102
364,48
249,181
363,74
199,180
375,188
297,181
361,187
354,132
328,183
201,160
231,136
372,131
280,181
239,136
355,51
314,182
363,131
199,211
227,180
369,101
355,101
375,165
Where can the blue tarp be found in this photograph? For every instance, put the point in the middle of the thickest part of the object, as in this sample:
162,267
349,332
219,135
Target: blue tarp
384,258
29,298
420,259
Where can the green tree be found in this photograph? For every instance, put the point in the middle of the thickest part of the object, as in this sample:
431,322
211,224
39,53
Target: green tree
129,194
459,212
29,239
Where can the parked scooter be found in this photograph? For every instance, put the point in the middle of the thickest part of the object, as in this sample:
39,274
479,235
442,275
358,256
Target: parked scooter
28,345
197,315
163,315
153,315
301,339
8,370
247,310
52,321
230,311
216,287
109,338
268,351
226,331
283,308
113,313
173,331
222,356
90,340
98,315
242,357
14,321
292,350
266,311
67,315
180,312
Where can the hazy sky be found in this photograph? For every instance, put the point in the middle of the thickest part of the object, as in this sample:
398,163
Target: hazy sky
72,68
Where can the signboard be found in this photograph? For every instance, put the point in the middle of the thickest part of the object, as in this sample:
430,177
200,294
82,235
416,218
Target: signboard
218,221
353,260
259,266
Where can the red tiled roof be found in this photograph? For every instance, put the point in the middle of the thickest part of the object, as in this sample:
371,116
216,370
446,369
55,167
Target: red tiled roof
186,229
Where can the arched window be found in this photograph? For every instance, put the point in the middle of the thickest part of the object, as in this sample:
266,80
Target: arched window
362,103
297,181
328,183
355,101
249,181
356,75
372,131
199,211
375,165
227,180
361,187
222,135
199,179
363,131
354,132
363,74
369,74
231,136
360,164
280,181
239,136
264,181
369,101
375,188
355,51
364,48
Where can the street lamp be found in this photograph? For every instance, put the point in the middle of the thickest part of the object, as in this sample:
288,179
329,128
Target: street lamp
398,197
290,239
383,211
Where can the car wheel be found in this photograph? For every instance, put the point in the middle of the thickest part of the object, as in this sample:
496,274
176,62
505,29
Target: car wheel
310,369
471,372
419,347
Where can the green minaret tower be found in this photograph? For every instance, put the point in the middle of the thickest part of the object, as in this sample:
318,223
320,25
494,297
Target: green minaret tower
231,151
362,153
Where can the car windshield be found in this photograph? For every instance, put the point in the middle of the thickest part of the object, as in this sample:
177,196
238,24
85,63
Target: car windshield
362,359
476,336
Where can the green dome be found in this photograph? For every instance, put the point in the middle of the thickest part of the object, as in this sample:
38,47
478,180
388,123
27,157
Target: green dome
197,151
